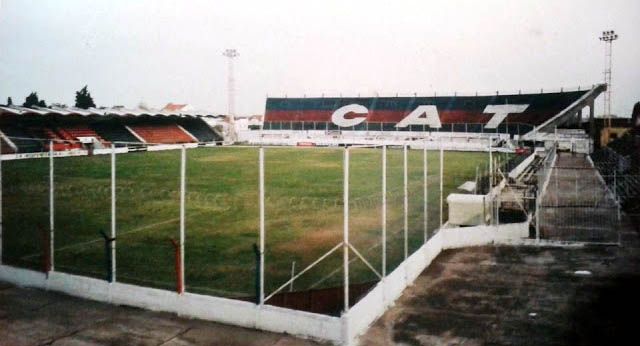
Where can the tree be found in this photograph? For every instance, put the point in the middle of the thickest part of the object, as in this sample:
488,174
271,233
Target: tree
9,101
143,105
32,100
84,99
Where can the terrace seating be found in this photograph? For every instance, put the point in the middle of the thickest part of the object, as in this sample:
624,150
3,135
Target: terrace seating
200,130
114,132
19,137
77,131
162,134
59,143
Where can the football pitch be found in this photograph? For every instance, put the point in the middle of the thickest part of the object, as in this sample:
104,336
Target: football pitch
303,208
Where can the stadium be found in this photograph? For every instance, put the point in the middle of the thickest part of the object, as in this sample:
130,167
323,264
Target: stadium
286,173
323,214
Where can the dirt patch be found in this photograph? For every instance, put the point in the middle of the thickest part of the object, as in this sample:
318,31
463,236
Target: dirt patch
311,243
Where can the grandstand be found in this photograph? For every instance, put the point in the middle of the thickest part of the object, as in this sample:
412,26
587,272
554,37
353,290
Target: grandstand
27,130
467,122
454,113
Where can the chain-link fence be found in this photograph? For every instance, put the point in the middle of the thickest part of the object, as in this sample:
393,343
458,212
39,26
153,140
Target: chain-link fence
575,203
619,165
222,220
82,202
27,208
260,224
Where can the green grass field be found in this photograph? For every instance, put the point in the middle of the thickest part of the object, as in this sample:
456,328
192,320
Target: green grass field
303,213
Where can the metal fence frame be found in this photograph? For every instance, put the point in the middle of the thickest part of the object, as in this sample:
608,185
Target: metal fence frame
576,214
347,247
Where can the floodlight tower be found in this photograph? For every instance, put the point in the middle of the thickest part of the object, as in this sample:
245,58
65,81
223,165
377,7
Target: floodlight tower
230,54
608,37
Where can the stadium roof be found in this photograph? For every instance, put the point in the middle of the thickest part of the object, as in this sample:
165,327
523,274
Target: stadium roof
106,112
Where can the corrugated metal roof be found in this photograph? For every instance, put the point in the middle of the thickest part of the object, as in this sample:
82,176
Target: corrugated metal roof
123,112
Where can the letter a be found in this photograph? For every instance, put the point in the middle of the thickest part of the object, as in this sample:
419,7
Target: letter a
430,118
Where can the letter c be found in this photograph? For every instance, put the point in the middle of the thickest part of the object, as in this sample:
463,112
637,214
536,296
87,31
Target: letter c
338,115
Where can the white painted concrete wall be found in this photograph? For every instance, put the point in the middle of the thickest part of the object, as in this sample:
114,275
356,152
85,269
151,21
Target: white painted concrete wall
160,147
459,141
234,312
344,330
66,153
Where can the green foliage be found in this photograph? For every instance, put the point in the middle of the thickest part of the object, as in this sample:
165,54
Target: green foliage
84,99
33,100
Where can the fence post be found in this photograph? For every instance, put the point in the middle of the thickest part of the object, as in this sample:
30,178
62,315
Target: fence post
441,184
384,210
183,169
256,252
425,192
107,255
405,190
555,177
617,203
538,210
475,189
51,208
498,209
113,211
1,201
345,240
615,189
575,178
178,265
619,218
46,256
293,271
262,226
490,163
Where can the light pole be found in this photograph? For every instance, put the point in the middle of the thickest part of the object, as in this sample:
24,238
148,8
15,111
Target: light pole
608,37
230,54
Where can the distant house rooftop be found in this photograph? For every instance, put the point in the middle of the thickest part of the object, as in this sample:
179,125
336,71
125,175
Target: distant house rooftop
175,107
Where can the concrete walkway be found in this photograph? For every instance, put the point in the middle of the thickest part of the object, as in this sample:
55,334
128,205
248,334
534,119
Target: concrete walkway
577,205
34,317
519,296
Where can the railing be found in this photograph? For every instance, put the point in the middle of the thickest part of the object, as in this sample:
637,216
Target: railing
434,93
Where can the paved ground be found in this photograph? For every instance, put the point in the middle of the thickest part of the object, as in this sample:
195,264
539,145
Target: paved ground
518,296
577,205
34,317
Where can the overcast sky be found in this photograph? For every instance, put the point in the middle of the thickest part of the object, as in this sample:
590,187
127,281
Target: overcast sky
170,51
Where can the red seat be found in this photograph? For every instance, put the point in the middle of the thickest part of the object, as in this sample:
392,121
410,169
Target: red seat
77,131
162,134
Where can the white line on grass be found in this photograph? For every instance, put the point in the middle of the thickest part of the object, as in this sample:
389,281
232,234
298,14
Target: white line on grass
90,242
